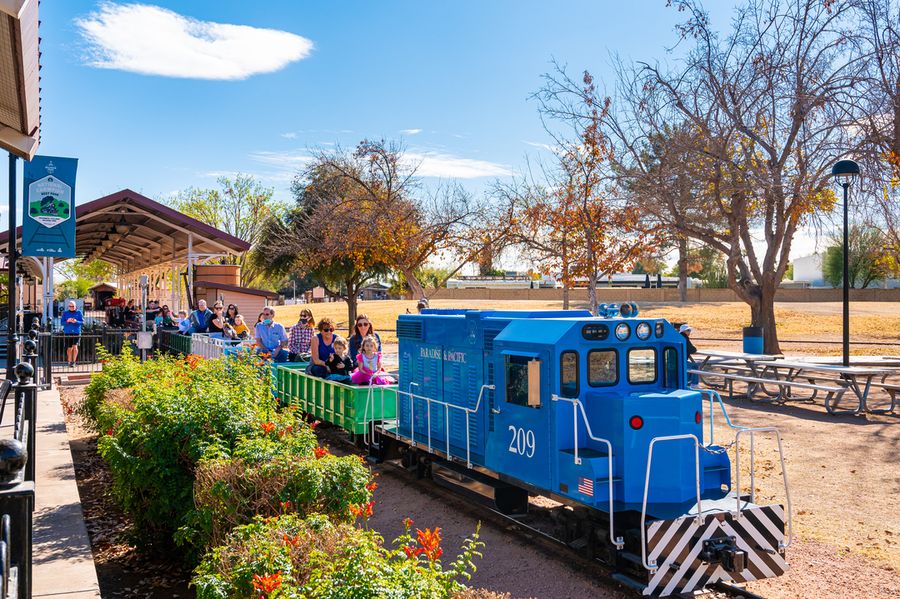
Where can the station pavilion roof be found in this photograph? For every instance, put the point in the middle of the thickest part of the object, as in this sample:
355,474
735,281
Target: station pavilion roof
133,232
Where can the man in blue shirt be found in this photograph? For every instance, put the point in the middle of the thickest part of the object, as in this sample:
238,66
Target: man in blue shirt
72,321
199,319
271,336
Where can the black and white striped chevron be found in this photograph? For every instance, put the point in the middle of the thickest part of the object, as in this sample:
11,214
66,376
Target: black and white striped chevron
675,545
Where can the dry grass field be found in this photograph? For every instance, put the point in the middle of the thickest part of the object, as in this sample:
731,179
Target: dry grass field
870,321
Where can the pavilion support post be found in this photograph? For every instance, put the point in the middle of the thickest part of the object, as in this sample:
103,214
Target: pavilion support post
11,338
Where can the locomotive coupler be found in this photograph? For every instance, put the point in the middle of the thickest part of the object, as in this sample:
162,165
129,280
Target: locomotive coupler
723,550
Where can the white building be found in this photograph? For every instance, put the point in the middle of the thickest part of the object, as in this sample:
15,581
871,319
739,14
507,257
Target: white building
809,270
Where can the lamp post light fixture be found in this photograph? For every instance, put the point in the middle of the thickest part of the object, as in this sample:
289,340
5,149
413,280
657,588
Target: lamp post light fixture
845,171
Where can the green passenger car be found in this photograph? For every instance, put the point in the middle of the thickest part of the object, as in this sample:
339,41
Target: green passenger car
347,406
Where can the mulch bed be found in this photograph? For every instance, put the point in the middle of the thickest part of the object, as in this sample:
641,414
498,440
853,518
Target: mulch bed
123,569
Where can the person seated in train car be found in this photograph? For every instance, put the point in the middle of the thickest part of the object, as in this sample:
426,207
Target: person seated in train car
153,310
320,347
183,321
239,329
199,318
370,371
164,319
271,336
218,323
231,313
301,336
362,329
339,363
130,313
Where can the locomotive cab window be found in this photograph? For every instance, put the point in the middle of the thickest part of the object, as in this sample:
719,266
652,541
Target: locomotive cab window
641,365
603,367
568,374
670,368
523,381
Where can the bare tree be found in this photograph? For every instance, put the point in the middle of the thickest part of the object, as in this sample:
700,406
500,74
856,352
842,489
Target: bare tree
767,108
583,225
878,100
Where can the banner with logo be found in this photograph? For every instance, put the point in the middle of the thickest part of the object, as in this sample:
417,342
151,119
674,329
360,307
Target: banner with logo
48,219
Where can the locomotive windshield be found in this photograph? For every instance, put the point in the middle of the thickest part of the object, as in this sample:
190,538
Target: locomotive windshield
568,374
641,365
603,367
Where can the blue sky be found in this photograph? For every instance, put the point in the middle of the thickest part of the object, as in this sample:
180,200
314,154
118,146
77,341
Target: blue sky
159,97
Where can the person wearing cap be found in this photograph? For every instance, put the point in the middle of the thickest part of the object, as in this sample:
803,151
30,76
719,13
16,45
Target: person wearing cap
422,305
72,321
685,331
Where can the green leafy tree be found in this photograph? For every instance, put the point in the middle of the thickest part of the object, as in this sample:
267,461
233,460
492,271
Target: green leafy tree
308,238
866,263
96,271
240,207
73,288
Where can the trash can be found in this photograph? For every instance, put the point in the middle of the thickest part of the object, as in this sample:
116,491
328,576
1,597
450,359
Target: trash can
753,340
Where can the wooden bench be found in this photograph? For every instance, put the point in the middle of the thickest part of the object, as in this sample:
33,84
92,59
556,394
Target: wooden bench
832,392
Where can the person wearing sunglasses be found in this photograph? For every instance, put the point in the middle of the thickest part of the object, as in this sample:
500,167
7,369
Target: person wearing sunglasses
362,329
271,336
301,336
218,323
321,347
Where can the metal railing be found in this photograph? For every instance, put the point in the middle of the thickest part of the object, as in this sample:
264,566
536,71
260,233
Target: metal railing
713,396
619,542
412,397
211,348
17,483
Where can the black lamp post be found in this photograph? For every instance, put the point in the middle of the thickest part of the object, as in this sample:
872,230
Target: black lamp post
845,171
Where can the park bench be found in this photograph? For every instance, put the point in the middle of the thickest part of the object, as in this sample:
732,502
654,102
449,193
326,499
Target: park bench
833,393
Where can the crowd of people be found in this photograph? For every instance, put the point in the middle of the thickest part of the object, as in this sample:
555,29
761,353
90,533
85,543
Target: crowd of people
356,359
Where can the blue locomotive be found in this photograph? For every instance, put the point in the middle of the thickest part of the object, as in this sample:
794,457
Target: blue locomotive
592,412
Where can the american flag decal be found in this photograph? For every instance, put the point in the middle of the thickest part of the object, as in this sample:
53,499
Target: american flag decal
586,486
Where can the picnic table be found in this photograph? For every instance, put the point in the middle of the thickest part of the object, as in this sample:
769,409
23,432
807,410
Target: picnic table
882,361
857,378
715,357
756,370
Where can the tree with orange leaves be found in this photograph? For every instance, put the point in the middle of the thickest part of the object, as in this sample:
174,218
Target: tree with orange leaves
578,225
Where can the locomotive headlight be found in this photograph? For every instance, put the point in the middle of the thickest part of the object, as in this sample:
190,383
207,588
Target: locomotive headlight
622,331
642,331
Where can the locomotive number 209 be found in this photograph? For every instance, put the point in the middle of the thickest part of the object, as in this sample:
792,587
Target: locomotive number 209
522,442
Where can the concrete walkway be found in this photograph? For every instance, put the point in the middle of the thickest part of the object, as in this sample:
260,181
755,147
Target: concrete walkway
63,563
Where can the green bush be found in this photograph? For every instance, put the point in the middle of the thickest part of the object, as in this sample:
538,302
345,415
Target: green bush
118,373
287,557
175,413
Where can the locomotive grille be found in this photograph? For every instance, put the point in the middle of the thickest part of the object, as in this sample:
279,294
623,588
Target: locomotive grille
489,339
409,330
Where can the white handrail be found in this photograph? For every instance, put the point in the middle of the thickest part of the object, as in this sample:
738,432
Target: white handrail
619,542
784,476
467,411
651,565
737,461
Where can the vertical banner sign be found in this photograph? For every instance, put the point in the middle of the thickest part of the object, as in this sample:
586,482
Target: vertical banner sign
48,219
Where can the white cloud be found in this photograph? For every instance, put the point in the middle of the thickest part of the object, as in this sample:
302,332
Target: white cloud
289,135
292,160
410,131
542,146
150,40
432,164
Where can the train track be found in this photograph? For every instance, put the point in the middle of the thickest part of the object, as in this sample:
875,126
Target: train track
465,499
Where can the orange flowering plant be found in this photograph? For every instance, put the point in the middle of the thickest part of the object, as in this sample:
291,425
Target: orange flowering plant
286,556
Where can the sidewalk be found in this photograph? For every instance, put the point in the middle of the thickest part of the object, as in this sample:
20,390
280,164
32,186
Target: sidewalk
63,563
